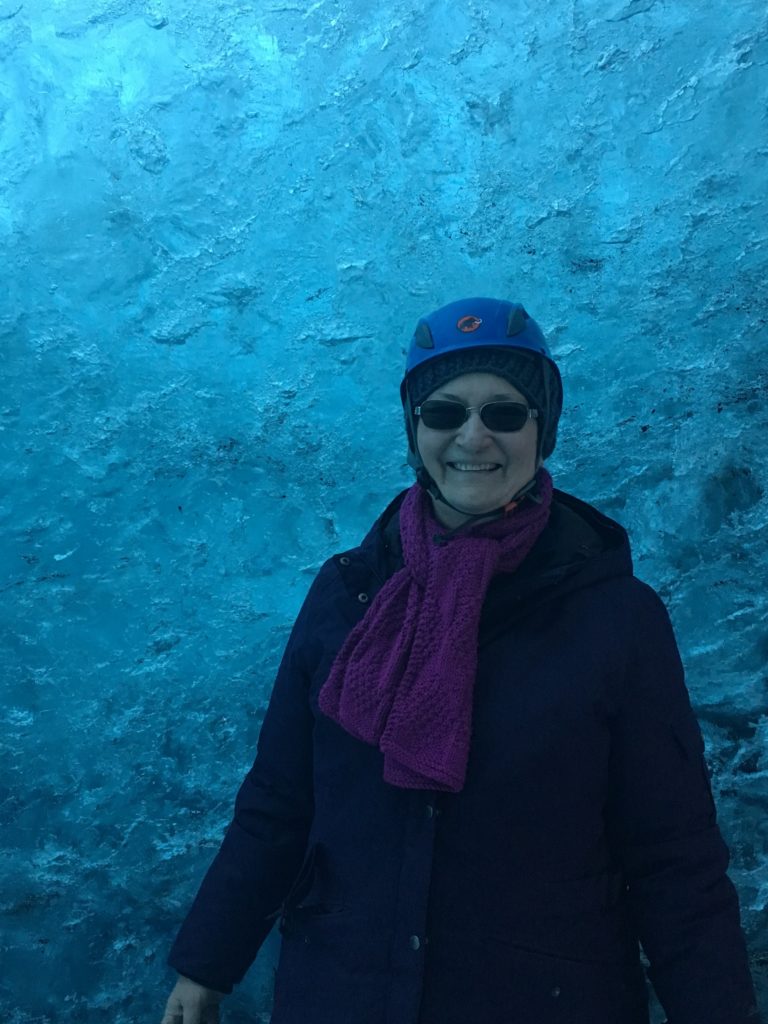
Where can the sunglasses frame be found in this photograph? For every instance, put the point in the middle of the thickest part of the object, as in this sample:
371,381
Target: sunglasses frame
531,414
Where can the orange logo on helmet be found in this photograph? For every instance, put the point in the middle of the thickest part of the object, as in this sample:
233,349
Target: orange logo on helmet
467,324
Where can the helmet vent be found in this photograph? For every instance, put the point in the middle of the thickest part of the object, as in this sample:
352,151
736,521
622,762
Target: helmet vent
423,336
516,321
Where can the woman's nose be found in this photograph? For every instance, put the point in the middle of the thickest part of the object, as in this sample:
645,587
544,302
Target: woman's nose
473,431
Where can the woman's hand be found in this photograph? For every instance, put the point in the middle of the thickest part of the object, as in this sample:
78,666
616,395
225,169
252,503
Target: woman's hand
190,1003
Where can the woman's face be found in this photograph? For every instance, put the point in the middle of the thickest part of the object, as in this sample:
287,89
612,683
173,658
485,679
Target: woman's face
476,469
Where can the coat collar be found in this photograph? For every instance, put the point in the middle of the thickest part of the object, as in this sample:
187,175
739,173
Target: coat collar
579,546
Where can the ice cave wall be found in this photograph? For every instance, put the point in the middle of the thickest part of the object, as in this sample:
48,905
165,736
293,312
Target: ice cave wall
219,223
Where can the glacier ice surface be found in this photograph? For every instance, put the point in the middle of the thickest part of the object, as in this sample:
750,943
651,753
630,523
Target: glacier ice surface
219,223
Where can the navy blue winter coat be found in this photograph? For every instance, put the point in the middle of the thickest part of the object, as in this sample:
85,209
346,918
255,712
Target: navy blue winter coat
586,823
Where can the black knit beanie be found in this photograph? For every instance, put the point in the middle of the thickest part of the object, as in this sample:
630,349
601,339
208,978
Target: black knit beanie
523,370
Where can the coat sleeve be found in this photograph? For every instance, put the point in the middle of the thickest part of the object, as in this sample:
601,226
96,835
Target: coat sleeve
264,845
663,824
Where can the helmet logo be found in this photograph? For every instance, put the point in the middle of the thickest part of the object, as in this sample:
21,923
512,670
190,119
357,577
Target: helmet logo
467,324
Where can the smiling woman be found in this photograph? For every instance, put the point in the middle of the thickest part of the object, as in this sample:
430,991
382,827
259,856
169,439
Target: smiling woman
480,783
482,398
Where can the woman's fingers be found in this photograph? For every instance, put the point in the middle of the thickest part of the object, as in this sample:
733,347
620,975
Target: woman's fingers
174,1011
190,1003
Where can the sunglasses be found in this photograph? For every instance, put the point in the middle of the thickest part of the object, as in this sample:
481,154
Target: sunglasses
503,417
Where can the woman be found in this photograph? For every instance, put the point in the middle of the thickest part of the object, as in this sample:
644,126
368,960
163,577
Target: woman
479,782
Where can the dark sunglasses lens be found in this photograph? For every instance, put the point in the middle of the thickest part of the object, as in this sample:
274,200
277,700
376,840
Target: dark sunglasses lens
443,415
505,417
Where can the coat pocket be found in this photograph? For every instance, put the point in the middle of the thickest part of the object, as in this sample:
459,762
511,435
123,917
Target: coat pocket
476,979
309,893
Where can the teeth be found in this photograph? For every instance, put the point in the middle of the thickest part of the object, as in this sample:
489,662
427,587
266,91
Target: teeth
472,467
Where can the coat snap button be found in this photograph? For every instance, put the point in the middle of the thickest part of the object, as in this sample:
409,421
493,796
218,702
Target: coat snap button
362,598
415,943
430,811
344,560
555,991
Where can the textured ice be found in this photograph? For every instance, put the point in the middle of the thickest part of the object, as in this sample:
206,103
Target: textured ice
218,223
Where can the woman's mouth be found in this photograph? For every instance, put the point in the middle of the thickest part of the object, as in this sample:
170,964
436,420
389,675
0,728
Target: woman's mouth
473,467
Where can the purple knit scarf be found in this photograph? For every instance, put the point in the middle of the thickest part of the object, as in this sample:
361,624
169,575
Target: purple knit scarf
404,678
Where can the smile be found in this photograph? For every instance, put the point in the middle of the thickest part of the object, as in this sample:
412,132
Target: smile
473,467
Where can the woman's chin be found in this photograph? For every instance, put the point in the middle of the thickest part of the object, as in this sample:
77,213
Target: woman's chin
474,499
466,504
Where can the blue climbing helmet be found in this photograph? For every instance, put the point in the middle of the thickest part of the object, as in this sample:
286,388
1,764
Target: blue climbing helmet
482,336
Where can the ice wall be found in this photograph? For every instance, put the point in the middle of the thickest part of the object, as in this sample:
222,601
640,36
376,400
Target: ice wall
219,222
